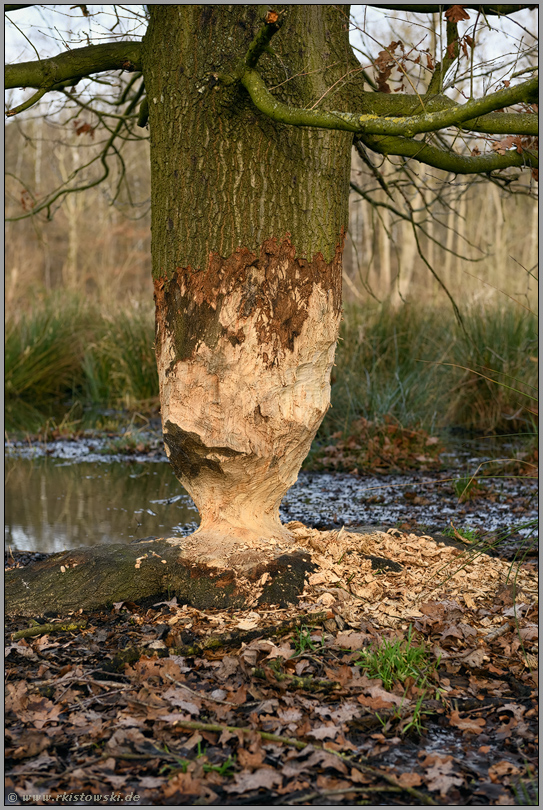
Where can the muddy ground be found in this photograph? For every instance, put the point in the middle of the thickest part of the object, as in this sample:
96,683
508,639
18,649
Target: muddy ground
276,706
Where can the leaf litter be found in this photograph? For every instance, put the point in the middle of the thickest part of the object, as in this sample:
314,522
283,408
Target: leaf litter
271,706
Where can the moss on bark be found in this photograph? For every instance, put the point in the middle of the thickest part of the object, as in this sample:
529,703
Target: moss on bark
146,573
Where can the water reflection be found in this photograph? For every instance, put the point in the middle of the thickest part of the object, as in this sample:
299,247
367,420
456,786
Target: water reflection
51,506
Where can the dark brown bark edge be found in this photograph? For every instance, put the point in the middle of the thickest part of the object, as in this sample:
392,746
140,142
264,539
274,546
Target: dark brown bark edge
148,572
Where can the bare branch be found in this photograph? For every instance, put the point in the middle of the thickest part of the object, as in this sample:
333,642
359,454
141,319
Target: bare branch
27,104
448,161
467,114
489,9
449,57
46,73
261,42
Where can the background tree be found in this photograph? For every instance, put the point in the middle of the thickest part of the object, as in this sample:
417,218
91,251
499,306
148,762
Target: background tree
252,113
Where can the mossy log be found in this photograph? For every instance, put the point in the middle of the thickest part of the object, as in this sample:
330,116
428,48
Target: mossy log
151,571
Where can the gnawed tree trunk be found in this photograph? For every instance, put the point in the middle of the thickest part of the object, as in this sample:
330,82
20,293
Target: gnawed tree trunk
148,572
248,225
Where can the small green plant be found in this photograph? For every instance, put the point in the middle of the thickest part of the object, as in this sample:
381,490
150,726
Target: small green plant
396,661
132,441
304,642
225,769
410,721
465,488
467,534
525,792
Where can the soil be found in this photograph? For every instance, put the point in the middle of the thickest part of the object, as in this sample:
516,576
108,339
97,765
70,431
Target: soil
170,705
267,706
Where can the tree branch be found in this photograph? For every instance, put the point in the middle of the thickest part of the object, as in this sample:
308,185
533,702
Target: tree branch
74,64
449,57
373,124
10,7
448,161
28,103
262,40
490,9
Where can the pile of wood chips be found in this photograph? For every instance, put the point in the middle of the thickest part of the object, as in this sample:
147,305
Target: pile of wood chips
431,570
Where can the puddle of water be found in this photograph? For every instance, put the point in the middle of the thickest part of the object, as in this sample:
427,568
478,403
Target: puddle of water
51,506
68,494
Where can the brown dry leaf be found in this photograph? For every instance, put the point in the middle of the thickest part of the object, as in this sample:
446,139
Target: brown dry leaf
501,769
474,658
244,782
360,778
39,712
150,782
125,740
350,640
184,784
439,776
377,692
504,144
249,759
183,699
529,633
374,703
385,64
31,743
452,630
249,622
324,732
17,697
289,715
342,674
456,14
468,725
332,783
227,667
410,779
505,799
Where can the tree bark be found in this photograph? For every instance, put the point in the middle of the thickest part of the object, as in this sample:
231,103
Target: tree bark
151,571
247,227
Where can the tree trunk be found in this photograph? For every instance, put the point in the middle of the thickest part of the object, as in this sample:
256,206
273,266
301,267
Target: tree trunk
247,235
147,572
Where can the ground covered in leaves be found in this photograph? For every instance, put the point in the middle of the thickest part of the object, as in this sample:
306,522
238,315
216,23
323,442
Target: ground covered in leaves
168,705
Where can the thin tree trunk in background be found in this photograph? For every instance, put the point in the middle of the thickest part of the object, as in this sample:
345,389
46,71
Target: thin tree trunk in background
460,242
72,208
408,254
385,271
248,225
498,243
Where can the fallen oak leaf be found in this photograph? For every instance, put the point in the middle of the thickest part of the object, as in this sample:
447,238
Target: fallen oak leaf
410,779
267,778
468,725
440,778
323,732
183,783
502,768
473,658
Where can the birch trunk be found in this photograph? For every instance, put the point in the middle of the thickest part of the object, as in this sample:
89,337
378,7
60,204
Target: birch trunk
248,225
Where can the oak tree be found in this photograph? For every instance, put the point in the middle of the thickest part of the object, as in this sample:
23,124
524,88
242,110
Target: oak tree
252,113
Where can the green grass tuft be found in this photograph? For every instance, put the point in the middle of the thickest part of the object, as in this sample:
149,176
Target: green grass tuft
395,662
396,382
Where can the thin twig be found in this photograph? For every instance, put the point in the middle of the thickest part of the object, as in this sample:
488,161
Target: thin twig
300,745
317,795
